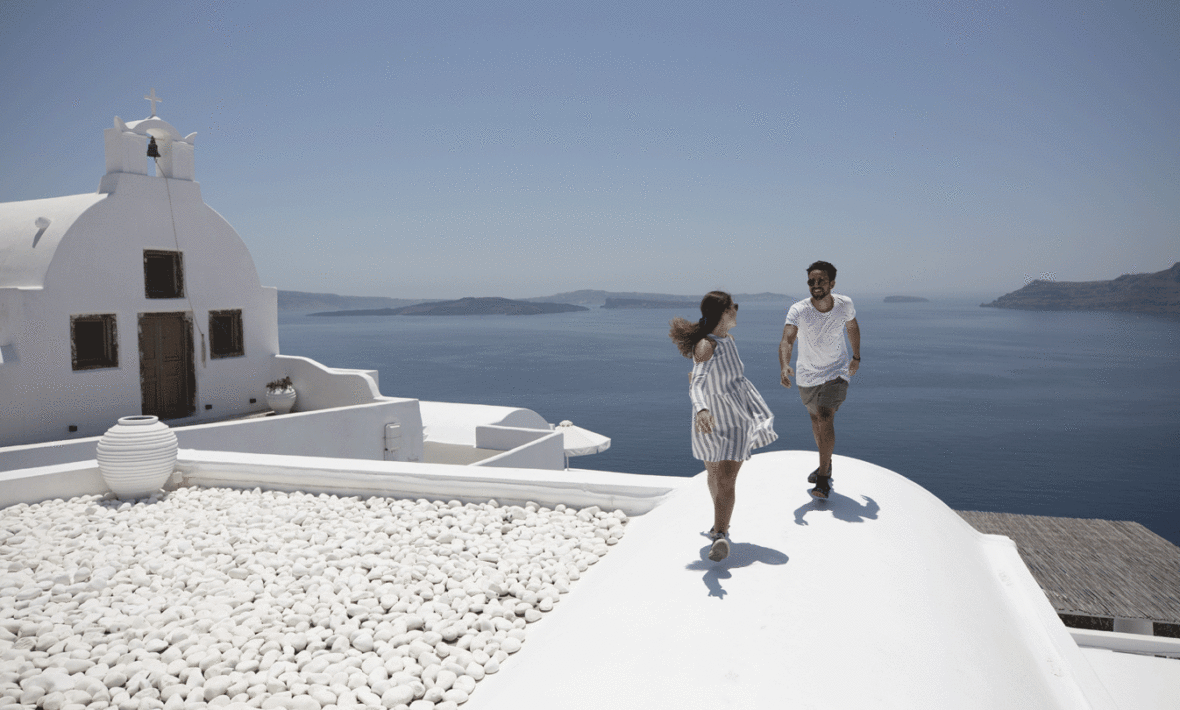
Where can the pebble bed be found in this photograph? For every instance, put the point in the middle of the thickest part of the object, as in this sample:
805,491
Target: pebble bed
215,597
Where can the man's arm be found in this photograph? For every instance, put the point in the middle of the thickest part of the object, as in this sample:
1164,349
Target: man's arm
853,329
784,353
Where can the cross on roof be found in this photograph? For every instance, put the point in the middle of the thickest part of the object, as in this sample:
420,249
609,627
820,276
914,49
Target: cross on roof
153,98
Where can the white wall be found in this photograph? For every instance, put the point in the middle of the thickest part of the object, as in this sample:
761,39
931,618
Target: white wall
634,494
503,438
546,451
455,423
320,387
346,432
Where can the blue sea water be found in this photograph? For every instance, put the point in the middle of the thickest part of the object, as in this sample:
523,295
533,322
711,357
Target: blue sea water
1044,413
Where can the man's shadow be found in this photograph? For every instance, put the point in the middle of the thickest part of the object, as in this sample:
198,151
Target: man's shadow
841,507
741,554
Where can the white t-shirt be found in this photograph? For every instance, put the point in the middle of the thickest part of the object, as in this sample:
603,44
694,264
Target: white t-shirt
822,353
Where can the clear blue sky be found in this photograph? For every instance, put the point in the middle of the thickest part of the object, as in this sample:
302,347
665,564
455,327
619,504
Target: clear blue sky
443,149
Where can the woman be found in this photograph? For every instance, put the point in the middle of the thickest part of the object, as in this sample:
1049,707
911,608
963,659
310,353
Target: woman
730,418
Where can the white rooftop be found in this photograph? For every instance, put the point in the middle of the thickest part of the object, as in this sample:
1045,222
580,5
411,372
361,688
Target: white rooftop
881,597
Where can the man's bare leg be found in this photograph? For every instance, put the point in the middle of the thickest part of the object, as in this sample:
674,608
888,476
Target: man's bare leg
823,426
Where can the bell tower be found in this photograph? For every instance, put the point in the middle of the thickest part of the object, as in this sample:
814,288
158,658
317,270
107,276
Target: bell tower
127,148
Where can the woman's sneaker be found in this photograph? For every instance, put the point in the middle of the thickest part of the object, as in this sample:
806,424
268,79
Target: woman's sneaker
720,549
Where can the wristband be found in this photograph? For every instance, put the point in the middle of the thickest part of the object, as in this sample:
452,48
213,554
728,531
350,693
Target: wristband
857,359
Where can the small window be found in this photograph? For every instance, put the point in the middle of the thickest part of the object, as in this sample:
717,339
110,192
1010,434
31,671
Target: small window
163,274
94,342
225,334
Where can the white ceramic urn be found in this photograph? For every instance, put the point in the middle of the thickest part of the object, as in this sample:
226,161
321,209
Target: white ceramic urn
281,401
137,455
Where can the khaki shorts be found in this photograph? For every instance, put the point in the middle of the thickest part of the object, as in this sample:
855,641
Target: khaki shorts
830,394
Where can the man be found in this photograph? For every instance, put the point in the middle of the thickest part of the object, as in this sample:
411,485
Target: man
824,365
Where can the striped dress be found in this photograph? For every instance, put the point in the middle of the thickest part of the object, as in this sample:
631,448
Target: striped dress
741,419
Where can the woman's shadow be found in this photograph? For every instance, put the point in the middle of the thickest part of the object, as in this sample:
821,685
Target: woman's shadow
741,554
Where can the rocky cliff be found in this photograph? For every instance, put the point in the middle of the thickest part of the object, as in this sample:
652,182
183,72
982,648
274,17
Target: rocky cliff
1140,293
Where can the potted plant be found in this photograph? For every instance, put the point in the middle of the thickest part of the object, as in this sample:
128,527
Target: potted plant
280,395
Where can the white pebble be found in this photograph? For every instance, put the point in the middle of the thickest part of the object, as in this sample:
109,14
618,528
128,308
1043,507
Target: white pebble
397,695
455,695
272,599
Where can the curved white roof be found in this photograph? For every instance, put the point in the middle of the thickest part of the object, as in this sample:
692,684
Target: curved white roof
882,597
26,249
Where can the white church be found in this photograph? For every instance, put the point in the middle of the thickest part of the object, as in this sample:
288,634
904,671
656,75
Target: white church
140,299
97,314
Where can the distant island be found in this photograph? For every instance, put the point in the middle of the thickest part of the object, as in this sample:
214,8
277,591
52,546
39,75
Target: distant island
333,304
589,297
463,307
1157,293
648,303
304,301
906,299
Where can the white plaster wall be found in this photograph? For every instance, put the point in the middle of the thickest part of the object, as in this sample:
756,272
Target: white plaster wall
503,438
455,423
65,481
12,315
546,452
349,432
320,387
98,268
26,249
634,494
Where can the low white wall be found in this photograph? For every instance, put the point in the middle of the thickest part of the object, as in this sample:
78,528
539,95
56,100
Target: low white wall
347,432
321,387
547,451
356,432
634,494
1126,643
65,481
439,452
373,374
503,438
51,453
455,423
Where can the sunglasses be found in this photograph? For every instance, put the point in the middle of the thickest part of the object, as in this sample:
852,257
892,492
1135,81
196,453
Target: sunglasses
816,282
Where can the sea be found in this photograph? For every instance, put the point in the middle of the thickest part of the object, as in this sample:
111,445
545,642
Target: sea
1072,414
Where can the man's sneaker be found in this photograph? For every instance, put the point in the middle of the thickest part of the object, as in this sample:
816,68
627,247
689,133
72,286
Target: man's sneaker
823,488
720,549
815,474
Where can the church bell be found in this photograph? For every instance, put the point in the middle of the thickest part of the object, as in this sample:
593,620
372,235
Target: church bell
153,149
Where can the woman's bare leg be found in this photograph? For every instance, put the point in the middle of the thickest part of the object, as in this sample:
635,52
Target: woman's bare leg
722,487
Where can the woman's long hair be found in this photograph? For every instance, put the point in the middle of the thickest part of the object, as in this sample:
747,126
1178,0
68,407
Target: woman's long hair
686,335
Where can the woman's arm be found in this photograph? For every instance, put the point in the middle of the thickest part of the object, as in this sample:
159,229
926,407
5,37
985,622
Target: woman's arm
702,358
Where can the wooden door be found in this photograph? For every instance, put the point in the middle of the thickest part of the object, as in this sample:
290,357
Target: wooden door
167,377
